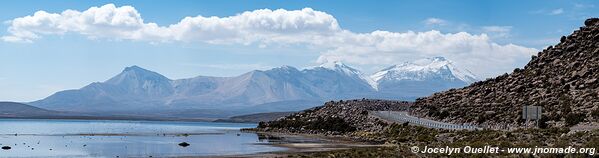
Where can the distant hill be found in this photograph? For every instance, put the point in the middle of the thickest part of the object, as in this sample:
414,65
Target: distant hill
13,109
24,111
255,118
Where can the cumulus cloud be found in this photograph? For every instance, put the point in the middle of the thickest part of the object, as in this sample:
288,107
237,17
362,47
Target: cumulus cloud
435,21
498,31
125,22
265,27
106,21
475,52
556,11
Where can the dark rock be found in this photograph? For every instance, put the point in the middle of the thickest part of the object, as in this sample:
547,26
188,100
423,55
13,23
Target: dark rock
590,22
184,144
6,147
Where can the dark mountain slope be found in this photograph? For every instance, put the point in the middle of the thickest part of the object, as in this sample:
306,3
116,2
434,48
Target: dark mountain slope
255,118
12,109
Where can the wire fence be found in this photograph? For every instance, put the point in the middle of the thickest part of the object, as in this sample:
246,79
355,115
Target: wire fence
403,116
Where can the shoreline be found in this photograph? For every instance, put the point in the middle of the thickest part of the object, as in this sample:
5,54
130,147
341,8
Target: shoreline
116,118
329,143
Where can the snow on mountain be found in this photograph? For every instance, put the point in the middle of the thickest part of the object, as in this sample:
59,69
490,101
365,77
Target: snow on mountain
337,80
423,69
339,66
421,78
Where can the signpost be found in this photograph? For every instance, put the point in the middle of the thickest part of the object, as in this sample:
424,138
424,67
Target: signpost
532,113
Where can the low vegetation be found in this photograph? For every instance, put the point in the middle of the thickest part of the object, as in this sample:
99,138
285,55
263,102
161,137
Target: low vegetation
574,118
400,137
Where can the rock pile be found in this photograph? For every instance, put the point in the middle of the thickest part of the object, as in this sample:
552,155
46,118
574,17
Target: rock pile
184,144
335,117
563,79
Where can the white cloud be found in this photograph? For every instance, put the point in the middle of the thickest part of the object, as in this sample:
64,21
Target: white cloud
267,27
497,28
475,52
498,31
556,11
583,6
435,21
125,22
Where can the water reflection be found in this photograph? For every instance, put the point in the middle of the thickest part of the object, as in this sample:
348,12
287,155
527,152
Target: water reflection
68,138
275,139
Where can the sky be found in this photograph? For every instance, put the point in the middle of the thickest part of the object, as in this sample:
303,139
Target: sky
49,46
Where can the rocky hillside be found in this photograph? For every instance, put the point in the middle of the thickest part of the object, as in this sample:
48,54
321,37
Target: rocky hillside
563,79
335,117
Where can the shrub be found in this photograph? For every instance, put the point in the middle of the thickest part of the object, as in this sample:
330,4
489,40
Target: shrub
364,112
330,124
566,109
481,119
595,113
443,115
380,122
433,111
543,122
261,124
574,118
405,124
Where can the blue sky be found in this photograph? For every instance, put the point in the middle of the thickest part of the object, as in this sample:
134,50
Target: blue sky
502,32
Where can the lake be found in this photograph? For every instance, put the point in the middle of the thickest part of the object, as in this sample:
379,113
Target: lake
110,138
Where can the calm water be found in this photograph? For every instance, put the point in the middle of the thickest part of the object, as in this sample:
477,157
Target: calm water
98,138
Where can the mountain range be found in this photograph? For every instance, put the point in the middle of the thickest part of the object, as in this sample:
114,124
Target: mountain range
139,91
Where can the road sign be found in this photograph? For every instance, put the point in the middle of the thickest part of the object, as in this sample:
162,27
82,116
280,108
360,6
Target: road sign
532,112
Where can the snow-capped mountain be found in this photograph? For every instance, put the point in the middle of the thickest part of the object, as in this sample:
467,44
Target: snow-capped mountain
140,91
423,69
421,77
338,80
